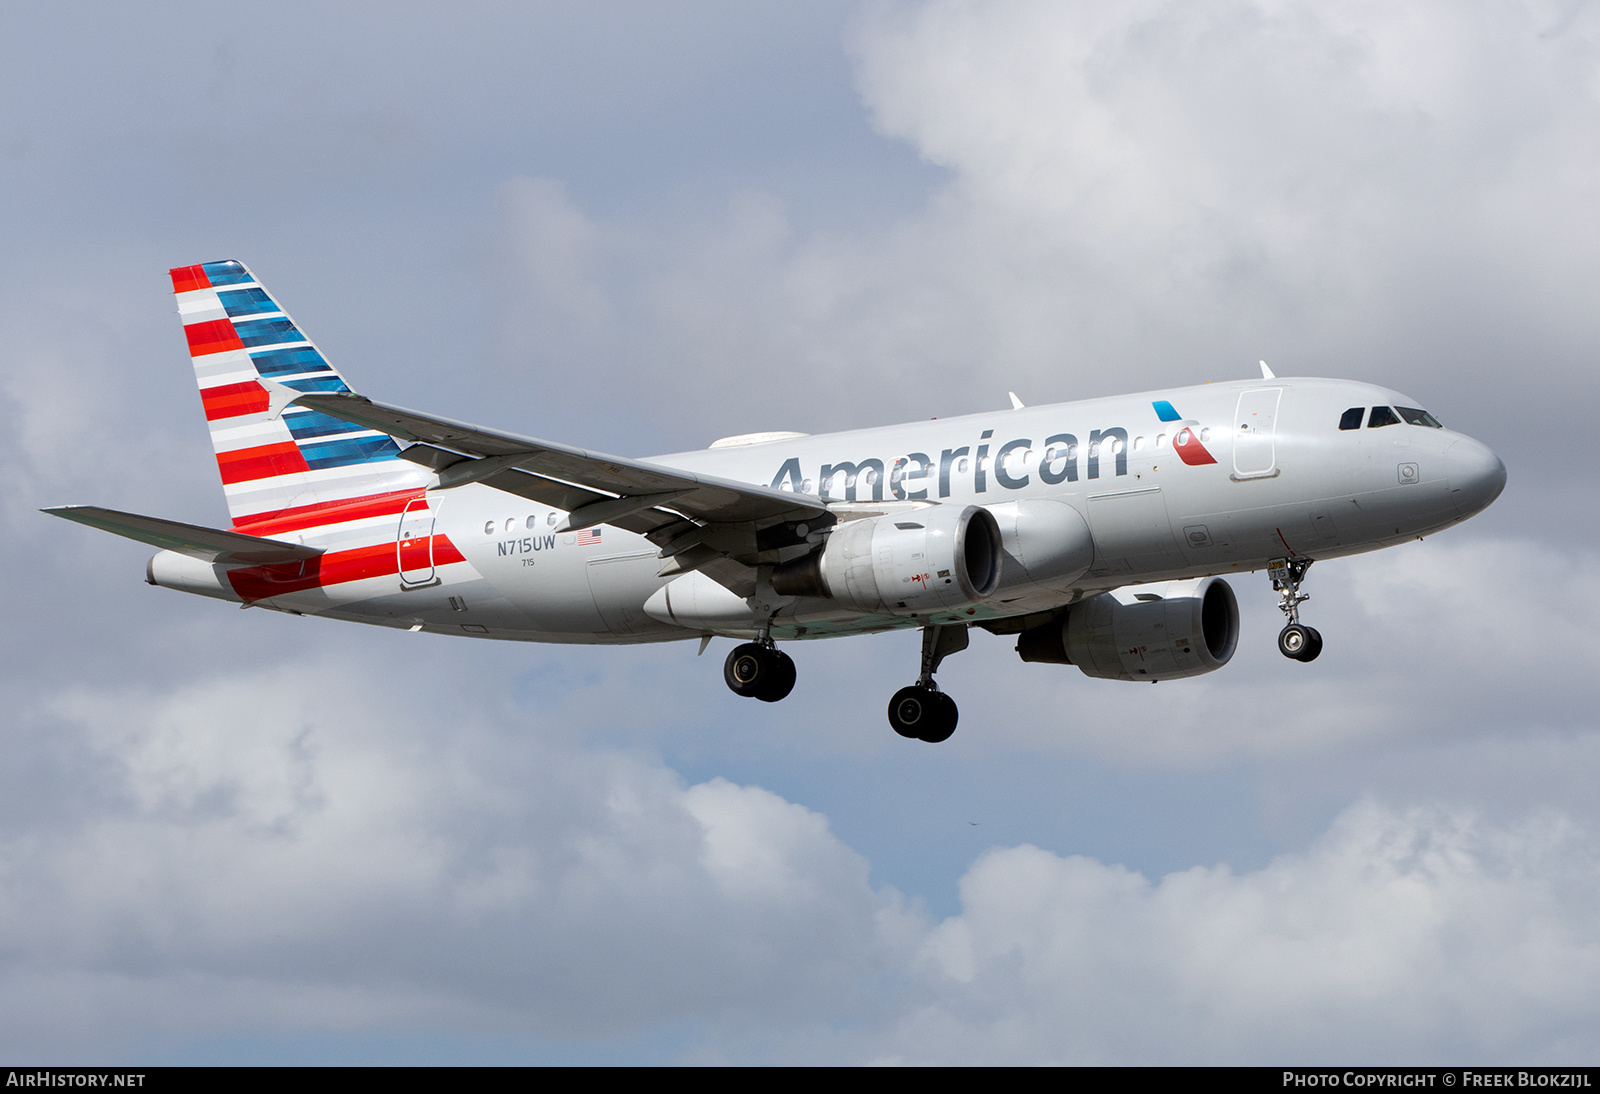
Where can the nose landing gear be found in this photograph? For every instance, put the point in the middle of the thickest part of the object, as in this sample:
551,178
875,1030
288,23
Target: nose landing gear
1296,641
921,711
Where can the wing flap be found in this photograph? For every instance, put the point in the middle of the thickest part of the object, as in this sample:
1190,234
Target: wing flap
561,495
205,544
558,495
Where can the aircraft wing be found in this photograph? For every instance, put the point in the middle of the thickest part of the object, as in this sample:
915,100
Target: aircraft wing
703,497
205,544
699,521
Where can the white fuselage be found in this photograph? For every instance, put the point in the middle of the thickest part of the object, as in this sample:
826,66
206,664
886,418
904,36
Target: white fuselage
1286,481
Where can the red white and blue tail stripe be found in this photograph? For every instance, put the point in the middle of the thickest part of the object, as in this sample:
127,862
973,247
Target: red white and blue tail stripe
299,468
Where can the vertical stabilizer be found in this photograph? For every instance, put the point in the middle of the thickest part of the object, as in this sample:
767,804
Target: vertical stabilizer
301,467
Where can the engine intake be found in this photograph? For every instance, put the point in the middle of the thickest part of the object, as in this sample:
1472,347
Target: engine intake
928,559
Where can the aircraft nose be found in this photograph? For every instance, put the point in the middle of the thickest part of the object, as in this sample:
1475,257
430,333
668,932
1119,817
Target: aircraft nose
1476,475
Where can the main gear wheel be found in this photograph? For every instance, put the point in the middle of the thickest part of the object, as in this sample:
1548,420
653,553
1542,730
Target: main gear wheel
759,672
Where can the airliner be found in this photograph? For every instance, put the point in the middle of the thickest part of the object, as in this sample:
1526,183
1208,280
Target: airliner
1098,533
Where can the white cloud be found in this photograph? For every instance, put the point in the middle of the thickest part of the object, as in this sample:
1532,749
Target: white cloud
279,836
273,850
1140,195
1402,936
1249,156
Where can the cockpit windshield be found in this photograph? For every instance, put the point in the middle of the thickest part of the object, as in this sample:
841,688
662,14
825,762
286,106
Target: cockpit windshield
1413,416
1383,415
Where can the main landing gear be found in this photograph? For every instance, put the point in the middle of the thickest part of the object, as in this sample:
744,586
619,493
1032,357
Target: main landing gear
759,670
921,711
1296,640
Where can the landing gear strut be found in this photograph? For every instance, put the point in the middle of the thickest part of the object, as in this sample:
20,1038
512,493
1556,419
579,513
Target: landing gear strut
921,711
759,670
1296,640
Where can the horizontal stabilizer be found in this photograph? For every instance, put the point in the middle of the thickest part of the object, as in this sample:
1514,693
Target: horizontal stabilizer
205,544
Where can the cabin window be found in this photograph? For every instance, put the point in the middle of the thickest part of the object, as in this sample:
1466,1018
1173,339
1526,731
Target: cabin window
1382,415
488,528
533,521
1413,416
1138,444
1161,440
1351,419
550,520
961,467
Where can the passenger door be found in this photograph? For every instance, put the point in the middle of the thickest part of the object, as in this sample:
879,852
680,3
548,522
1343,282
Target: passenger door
414,544
1254,433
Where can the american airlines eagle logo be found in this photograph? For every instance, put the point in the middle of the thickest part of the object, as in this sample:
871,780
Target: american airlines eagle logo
1186,441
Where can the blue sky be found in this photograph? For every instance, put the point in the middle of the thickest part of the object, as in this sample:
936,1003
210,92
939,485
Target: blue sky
237,837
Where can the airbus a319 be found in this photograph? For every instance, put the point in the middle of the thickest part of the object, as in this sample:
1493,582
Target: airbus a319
1096,532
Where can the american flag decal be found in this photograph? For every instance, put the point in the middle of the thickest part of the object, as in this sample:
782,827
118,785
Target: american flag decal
588,537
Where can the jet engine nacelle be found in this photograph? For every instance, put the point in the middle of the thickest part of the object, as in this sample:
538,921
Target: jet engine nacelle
1144,632
928,559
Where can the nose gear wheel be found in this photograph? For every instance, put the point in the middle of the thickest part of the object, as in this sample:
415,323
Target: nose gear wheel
1296,641
1300,642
